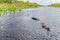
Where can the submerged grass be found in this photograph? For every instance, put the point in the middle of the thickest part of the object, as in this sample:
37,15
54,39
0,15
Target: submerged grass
16,6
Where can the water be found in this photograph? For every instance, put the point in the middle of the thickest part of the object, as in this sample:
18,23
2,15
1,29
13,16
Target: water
20,26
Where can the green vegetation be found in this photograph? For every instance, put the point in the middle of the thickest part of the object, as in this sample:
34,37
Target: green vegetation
14,5
57,5
6,1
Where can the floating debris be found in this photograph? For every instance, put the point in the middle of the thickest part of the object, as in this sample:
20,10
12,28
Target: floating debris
45,27
35,18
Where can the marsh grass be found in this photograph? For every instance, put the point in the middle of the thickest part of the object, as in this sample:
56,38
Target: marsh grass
16,6
56,5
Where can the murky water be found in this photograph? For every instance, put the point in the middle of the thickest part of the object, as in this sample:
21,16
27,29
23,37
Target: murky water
20,26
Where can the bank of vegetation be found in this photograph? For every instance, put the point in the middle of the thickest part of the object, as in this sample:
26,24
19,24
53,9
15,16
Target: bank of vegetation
14,5
56,5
